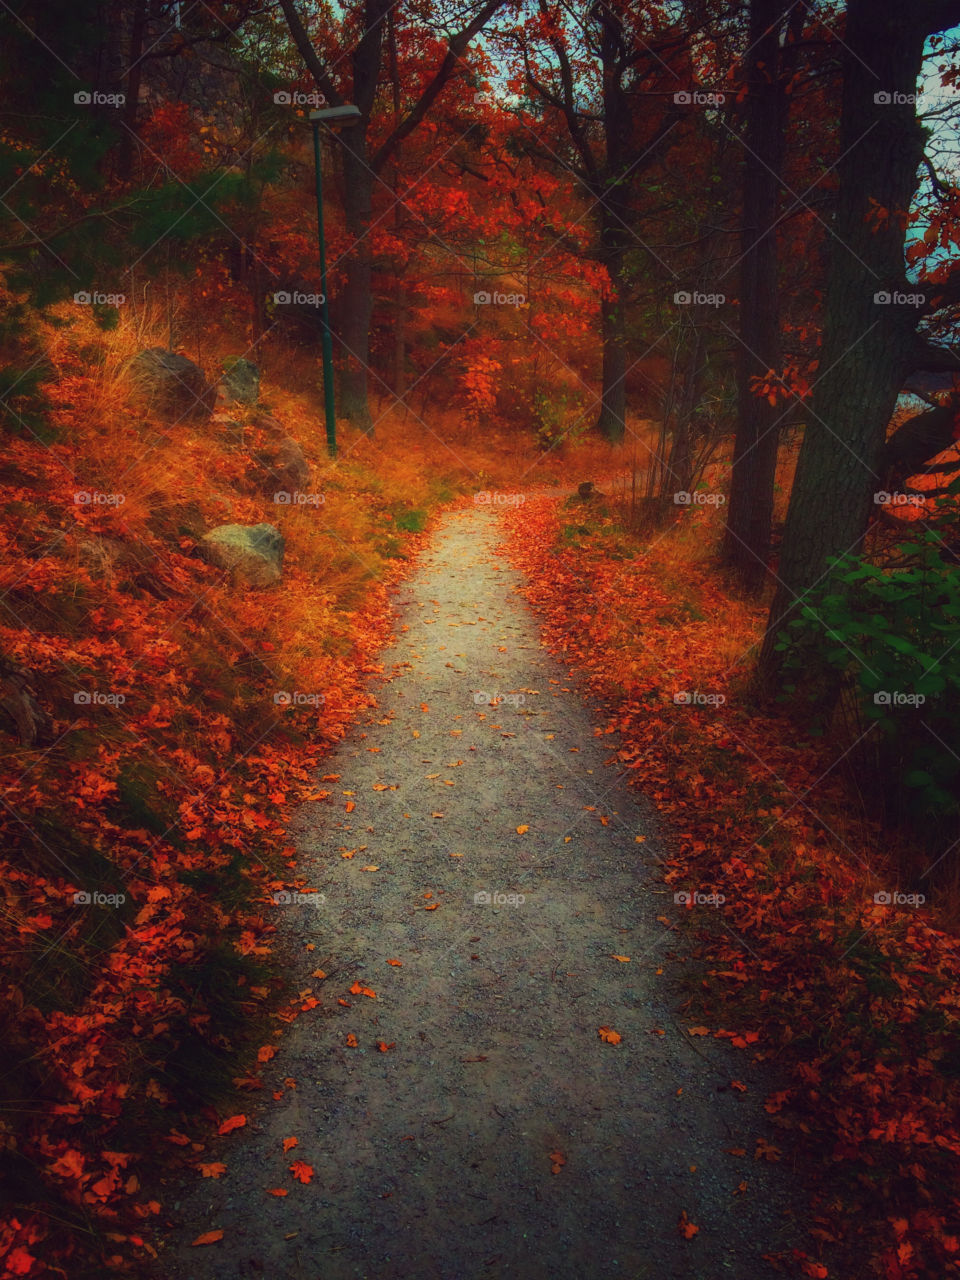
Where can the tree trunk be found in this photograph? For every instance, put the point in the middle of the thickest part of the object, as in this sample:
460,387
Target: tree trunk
867,344
132,91
679,471
746,546
611,422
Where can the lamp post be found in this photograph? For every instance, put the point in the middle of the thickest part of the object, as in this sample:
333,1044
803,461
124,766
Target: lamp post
346,114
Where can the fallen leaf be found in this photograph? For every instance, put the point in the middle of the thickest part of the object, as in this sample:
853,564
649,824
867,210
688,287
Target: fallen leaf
622,959
266,1052
212,1170
209,1237
397,963
609,1036
431,906
357,990
351,1041
687,1228
277,1191
384,1048
557,1161
235,1122
302,1172
698,1031
289,1144
350,806
523,829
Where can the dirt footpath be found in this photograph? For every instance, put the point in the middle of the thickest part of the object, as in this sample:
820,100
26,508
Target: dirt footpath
499,1135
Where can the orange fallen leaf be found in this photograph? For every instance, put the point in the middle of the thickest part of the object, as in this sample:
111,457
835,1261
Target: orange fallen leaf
608,1035
212,1170
302,1172
234,1122
698,1031
369,868
289,1144
424,707
687,1228
209,1237
385,1048
351,1041
381,786
318,973
277,1191
431,906
397,963
350,806
622,959
266,1052
557,1161
523,828
357,990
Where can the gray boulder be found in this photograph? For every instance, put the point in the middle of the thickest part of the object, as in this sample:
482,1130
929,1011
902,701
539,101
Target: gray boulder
281,467
171,385
240,383
253,554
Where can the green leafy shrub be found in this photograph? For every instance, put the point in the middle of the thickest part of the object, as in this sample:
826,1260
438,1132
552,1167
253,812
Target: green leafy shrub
892,637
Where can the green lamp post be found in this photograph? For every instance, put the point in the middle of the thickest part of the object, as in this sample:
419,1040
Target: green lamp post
344,115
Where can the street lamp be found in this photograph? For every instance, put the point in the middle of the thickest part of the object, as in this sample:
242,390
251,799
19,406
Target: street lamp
347,114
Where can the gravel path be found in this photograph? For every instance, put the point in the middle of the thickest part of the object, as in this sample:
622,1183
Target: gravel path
433,1159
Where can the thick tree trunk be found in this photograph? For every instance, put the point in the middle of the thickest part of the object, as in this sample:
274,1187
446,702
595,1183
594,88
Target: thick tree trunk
867,344
611,422
746,546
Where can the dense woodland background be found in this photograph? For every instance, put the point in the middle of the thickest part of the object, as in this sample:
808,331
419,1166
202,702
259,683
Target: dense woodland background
699,254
